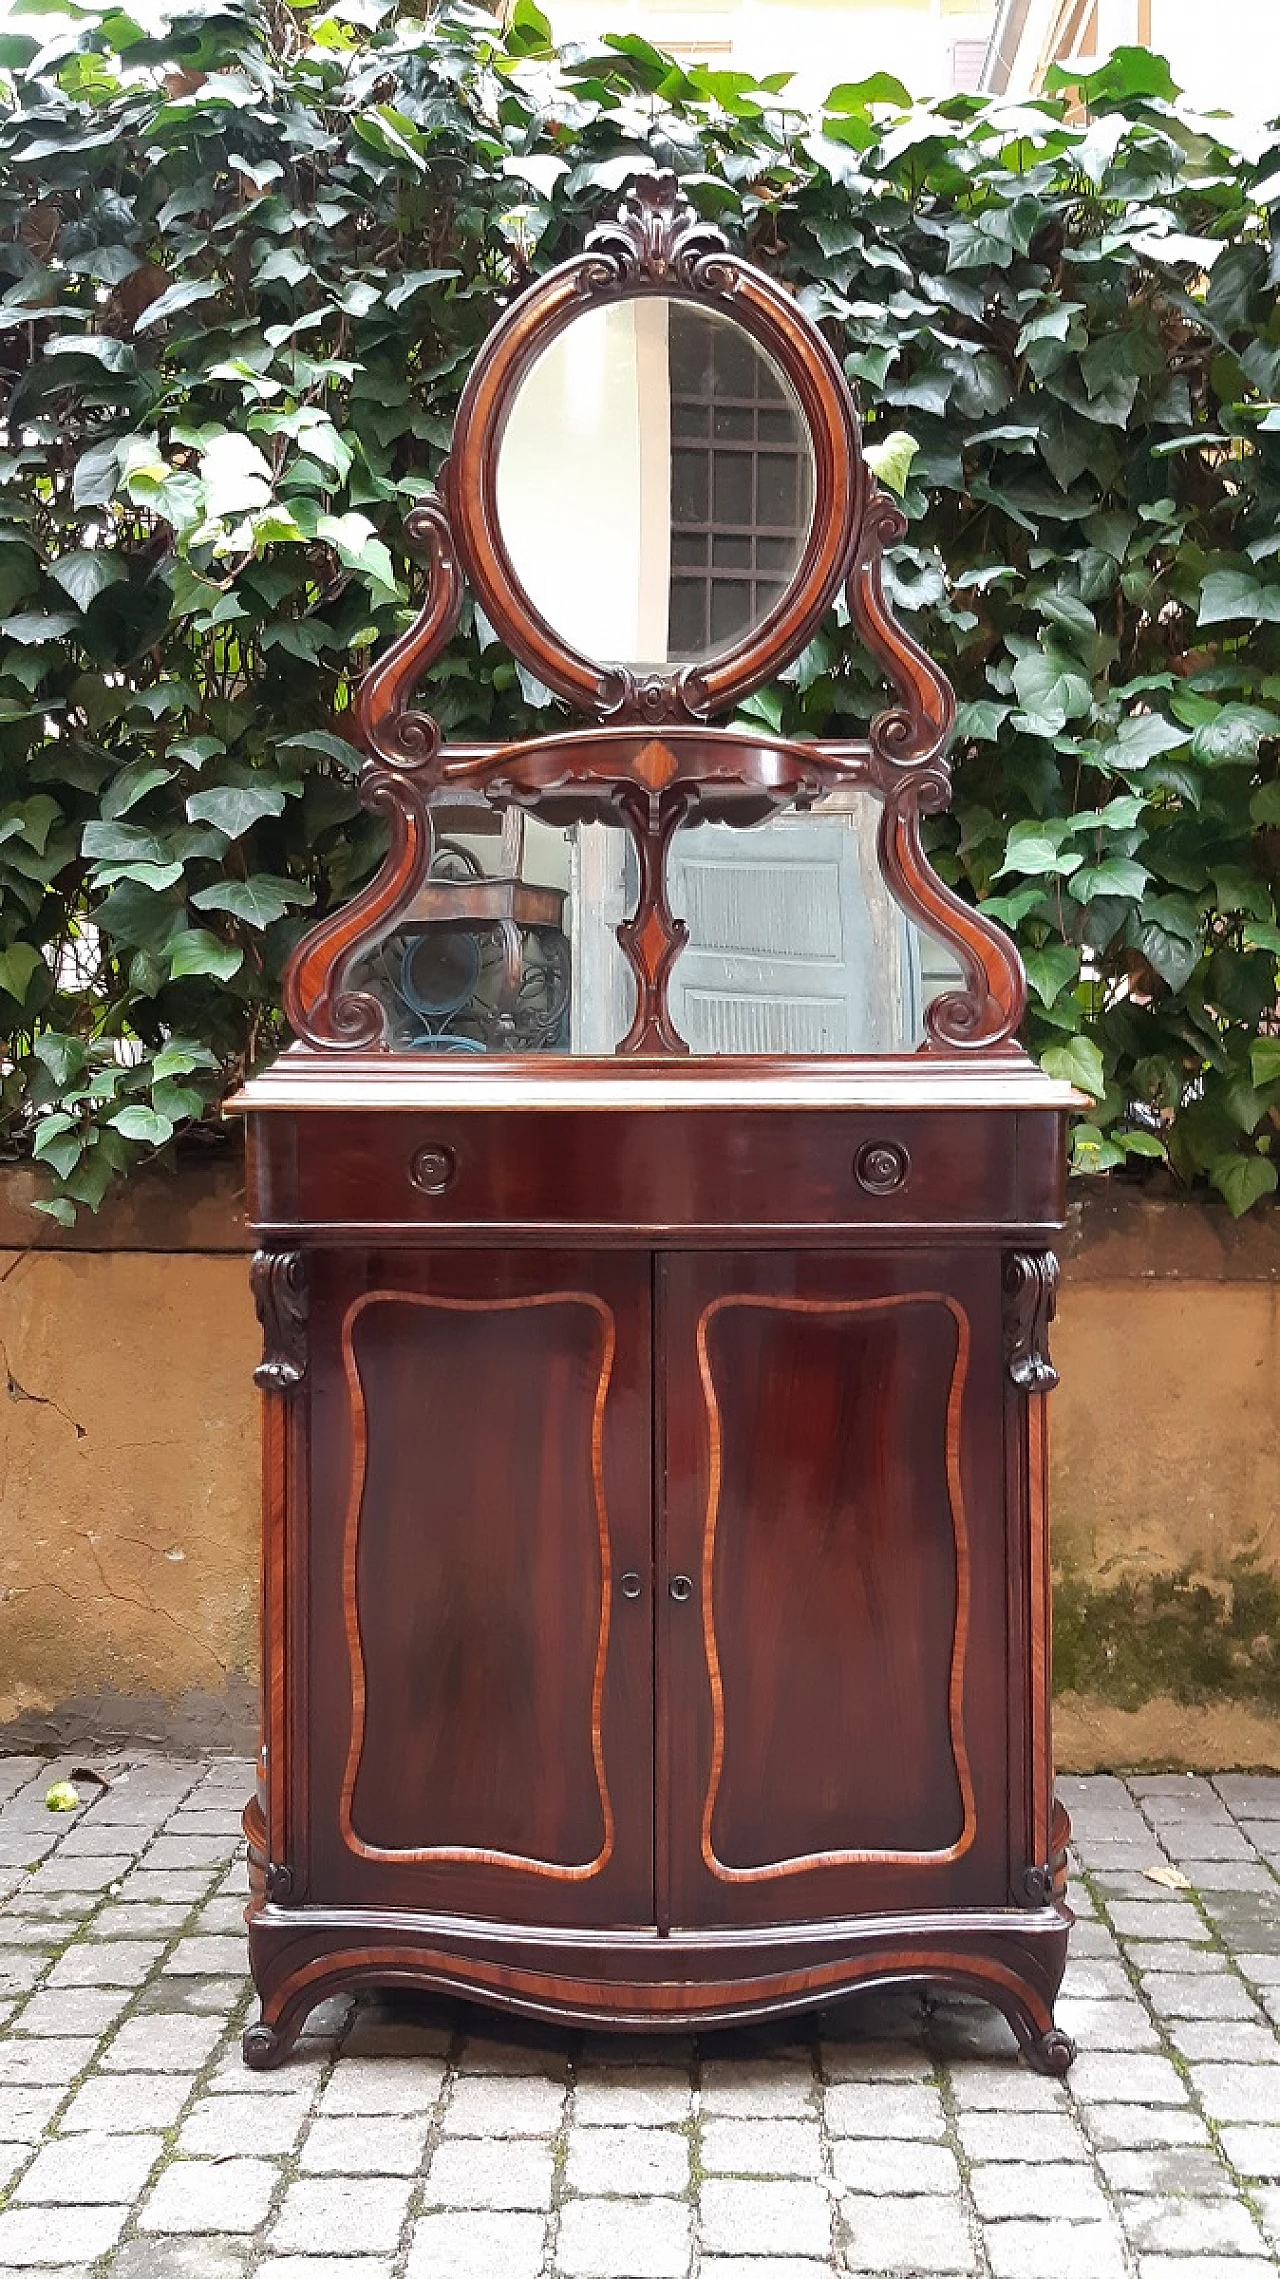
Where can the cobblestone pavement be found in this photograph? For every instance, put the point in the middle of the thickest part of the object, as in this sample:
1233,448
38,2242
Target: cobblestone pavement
429,2142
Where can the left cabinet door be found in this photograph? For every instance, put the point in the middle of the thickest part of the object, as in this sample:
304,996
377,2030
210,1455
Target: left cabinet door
478,1585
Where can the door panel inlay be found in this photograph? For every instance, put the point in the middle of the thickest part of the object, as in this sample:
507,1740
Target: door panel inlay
476,1724
834,1432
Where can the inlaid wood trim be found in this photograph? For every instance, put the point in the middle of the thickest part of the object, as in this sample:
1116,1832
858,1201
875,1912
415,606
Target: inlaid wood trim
557,1870
807,1863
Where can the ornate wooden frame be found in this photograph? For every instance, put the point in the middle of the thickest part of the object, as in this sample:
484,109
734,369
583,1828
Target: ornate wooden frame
652,759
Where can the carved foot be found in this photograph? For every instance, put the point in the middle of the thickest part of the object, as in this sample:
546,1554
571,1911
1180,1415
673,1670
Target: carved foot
1053,2052
264,2047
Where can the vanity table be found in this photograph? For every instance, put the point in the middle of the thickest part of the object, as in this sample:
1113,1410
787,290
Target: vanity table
655,1581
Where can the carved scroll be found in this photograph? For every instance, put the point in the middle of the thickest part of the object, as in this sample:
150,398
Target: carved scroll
1030,1302
405,749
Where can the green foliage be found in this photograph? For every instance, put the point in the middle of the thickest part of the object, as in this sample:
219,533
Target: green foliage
247,252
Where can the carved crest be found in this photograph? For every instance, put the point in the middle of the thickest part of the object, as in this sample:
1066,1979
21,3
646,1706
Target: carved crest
657,236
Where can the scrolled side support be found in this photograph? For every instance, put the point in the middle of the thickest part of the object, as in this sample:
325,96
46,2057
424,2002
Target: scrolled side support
401,772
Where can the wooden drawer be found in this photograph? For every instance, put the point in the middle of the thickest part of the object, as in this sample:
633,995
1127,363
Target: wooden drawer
450,1173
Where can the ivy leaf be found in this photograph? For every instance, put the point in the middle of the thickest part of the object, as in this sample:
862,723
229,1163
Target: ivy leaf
1052,689
233,808
235,475
1232,737
259,900
19,965
85,575
34,627
1114,875
196,952
138,1123
1228,594
1144,736
1051,970
171,303
890,461
1264,1061
1242,1180
1078,1062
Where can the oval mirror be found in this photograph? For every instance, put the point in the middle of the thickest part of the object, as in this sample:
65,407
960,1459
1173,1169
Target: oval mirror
654,483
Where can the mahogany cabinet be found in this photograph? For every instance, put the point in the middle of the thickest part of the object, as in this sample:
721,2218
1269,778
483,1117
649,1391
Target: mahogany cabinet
655,1575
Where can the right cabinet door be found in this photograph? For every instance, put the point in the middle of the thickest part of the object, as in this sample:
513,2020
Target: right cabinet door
833,1664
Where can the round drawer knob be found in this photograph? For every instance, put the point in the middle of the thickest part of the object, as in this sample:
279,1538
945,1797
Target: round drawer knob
681,1588
630,1584
433,1169
881,1166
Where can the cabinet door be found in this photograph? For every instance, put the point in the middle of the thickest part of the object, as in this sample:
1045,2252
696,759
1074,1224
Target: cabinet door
832,1636
479,1588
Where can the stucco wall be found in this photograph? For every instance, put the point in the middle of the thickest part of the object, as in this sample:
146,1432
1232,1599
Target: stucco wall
128,1476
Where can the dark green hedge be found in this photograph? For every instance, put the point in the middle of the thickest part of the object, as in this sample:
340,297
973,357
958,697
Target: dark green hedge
244,269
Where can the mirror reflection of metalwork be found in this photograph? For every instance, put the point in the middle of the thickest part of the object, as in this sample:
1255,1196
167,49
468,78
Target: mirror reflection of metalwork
478,964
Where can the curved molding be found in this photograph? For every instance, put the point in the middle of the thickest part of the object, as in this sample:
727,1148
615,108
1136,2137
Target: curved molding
556,1870
810,1862
405,748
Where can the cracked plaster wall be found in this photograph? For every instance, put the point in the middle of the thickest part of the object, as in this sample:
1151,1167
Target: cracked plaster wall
129,1474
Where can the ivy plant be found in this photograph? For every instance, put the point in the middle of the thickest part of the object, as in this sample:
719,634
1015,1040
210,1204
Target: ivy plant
247,253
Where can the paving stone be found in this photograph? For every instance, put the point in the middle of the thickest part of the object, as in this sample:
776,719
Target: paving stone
220,1918
649,2097
356,2145
156,2044
12,2158
300,2070
1112,2077
1106,2025
107,1962
1121,2128
347,2215
84,2169
1006,2089
910,2236
1238,2092
761,2267
157,2258
480,2246
875,2061
1225,2039
60,1874
25,2113
183,1890
899,2165
1191,2227
761,2147
1216,1880
884,2109
1155,1919
1036,2188
120,2103
1068,2250
1254,2151
217,2126
136,1919
1170,1955
1021,2136
324,2267
612,2239
1204,2267
744,2217
186,1852
629,2160
20,1967
1254,1796
210,2196
492,2105
51,2235
200,1957
1096,1981
38,2063
758,2088
379,2085
470,2172
72,2010
1166,2172
1198,1994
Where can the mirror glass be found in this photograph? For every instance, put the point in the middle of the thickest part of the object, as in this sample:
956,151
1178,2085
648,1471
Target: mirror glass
654,483
795,943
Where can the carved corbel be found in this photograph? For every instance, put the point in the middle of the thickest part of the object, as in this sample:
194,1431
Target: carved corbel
1030,1301
278,1279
